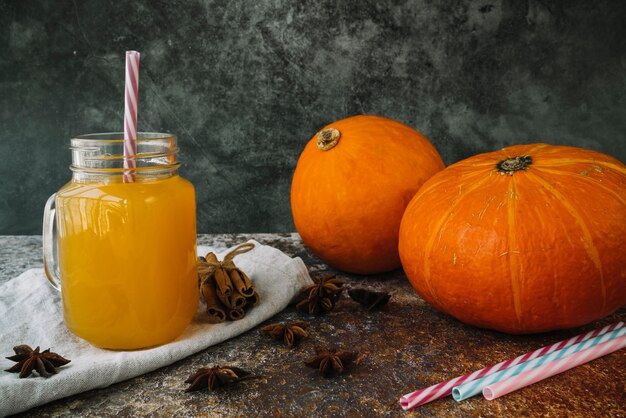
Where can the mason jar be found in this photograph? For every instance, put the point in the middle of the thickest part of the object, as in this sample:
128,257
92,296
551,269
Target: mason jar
120,243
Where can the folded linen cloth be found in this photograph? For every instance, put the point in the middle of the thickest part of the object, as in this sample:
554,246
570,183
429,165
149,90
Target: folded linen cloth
31,313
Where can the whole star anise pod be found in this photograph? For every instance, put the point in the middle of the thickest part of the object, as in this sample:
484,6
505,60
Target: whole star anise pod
211,378
332,362
321,296
45,363
289,333
369,299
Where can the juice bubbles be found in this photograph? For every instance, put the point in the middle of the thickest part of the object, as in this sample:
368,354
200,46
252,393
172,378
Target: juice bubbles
127,259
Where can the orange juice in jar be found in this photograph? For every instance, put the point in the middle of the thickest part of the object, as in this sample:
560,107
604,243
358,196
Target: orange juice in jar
126,262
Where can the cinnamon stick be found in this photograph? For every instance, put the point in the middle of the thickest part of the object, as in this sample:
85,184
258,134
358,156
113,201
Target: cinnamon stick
236,314
252,300
214,308
223,284
241,282
237,300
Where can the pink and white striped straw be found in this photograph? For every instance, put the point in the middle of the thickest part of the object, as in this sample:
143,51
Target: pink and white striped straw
550,369
131,89
431,393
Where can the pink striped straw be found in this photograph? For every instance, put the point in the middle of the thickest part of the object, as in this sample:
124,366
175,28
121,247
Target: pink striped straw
431,393
131,89
550,369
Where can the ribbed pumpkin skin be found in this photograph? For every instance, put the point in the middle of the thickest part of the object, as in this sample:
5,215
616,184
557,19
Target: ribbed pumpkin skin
538,250
347,202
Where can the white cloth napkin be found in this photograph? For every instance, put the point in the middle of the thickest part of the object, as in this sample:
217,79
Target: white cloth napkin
31,313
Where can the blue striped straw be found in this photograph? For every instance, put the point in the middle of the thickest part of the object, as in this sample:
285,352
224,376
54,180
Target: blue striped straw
469,389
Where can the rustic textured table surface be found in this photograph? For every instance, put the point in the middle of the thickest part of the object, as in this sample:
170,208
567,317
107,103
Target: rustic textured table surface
407,345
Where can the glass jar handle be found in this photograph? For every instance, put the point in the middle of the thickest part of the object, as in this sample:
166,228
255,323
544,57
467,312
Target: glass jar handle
50,246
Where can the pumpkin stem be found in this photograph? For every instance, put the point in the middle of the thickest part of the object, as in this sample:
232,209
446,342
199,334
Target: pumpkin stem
327,138
511,165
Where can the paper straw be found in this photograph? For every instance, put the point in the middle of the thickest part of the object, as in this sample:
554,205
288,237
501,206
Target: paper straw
442,389
131,88
550,369
467,390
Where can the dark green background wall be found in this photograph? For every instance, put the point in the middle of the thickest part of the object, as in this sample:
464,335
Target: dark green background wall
244,84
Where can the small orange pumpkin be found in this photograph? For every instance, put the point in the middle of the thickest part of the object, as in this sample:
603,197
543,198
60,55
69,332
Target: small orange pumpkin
528,239
350,188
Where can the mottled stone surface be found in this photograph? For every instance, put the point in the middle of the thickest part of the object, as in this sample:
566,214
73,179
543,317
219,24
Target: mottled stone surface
245,84
407,345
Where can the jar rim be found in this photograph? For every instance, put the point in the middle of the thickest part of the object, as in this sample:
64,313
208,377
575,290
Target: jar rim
101,155
116,137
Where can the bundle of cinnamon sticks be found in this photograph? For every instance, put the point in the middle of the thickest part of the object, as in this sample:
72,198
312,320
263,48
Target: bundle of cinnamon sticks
227,291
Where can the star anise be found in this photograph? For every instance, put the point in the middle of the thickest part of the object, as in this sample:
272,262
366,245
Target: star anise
332,362
45,363
211,378
289,333
321,296
369,299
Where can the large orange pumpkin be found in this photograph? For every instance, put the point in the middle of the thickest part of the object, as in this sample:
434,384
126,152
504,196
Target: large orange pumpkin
527,239
350,188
